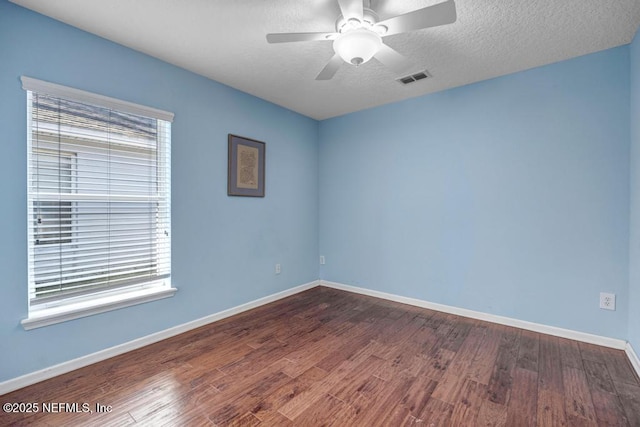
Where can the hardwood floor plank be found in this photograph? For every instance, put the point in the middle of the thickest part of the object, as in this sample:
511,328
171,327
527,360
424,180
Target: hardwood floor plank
578,403
598,376
482,364
381,401
226,350
492,414
425,341
371,390
523,404
257,359
307,398
194,376
394,334
328,410
465,411
151,395
356,380
300,329
304,357
396,416
465,355
609,410
449,388
183,407
570,353
230,384
409,356
529,350
345,352
436,413
451,383
447,325
239,402
592,352
630,398
435,366
550,373
329,357
619,367
418,395
550,411
245,420
403,364
436,320
269,404
458,334
276,419
502,376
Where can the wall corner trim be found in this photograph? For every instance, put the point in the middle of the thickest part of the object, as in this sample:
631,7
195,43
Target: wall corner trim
507,321
80,362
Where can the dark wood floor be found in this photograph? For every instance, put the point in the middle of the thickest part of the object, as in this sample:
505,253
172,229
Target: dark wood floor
327,357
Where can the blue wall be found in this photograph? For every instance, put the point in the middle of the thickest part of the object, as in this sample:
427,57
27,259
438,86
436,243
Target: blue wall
634,246
509,196
224,248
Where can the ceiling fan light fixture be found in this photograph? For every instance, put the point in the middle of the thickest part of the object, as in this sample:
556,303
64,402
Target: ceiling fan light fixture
357,46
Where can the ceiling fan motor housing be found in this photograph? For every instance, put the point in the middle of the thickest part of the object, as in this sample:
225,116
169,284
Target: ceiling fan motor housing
369,19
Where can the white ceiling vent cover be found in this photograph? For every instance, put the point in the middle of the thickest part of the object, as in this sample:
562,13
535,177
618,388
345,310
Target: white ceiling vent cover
422,75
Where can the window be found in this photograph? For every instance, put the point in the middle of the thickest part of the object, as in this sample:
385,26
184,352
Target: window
52,218
98,202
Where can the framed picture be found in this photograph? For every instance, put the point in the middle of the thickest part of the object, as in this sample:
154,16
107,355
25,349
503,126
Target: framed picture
246,167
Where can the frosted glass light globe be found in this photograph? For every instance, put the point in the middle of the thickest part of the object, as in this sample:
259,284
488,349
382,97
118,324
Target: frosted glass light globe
357,46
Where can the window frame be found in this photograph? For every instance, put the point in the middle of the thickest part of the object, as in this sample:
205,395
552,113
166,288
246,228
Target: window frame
93,302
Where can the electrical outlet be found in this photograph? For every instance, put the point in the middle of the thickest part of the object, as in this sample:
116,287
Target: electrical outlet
277,268
322,259
607,301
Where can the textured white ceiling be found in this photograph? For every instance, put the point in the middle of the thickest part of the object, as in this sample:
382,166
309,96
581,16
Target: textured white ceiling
225,41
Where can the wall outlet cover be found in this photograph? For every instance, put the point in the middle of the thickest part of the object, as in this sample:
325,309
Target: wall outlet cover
607,301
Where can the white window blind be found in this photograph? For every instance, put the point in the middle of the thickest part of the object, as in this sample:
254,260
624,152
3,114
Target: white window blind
98,195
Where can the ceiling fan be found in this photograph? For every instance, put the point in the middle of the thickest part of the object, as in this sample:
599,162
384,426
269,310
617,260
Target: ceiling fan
359,33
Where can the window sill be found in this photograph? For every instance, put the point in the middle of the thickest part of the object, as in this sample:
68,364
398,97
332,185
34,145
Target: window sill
51,316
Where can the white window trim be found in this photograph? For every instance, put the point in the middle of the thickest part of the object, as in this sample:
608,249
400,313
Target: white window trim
47,88
110,300
53,315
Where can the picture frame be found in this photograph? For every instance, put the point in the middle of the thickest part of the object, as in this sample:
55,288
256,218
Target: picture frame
246,168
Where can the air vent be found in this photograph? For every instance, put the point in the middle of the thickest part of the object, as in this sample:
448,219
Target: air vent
414,77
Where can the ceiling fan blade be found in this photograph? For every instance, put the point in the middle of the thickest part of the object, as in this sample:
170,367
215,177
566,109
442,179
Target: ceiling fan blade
431,16
393,60
299,37
351,9
330,69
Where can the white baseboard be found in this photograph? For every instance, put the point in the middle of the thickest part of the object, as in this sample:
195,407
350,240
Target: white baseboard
508,321
62,368
633,358
80,362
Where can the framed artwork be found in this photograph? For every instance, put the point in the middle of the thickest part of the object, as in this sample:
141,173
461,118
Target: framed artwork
246,167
